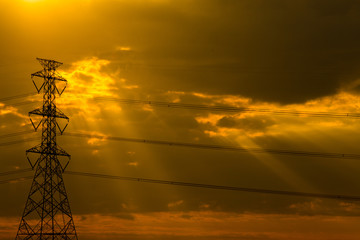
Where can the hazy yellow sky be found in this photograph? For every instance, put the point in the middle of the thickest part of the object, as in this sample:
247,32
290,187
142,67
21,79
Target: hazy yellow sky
299,55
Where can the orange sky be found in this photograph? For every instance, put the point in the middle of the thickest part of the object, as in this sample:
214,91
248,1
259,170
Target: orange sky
277,55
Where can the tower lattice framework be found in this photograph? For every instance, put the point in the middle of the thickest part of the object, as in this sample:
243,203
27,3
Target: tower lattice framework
47,213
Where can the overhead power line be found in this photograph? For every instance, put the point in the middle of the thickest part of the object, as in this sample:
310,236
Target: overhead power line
217,108
221,147
15,172
228,108
189,184
13,180
18,141
16,134
17,96
22,103
220,187
5,99
193,145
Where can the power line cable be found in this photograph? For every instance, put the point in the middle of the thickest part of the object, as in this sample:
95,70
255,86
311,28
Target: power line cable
21,103
201,107
192,145
15,172
228,108
19,179
220,187
17,96
16,134
18,141
191,184
221,147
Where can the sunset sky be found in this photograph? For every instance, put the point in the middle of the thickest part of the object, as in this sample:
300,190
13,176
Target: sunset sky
296,55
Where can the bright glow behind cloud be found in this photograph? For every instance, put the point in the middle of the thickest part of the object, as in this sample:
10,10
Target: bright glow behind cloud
87,81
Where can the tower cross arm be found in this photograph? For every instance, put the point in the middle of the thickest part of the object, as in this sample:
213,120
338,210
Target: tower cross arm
36,149
49,113
58,77
49,64
41,149
43,74
61,152
40,73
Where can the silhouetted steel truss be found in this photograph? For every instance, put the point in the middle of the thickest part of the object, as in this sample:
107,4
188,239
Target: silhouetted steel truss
47,213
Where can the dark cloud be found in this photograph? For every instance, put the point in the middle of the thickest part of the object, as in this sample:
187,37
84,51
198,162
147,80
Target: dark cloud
282,51
274,51
247,123
126,216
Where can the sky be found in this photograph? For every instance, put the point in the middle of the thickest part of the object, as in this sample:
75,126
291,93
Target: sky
298,55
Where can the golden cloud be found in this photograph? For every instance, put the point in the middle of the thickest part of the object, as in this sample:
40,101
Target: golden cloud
206,225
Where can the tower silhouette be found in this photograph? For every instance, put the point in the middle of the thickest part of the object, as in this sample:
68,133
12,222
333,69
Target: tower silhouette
47,213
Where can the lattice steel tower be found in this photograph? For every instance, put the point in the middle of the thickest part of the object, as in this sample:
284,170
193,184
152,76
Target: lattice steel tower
47,212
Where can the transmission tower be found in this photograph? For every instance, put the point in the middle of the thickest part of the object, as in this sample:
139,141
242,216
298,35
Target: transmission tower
47,212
